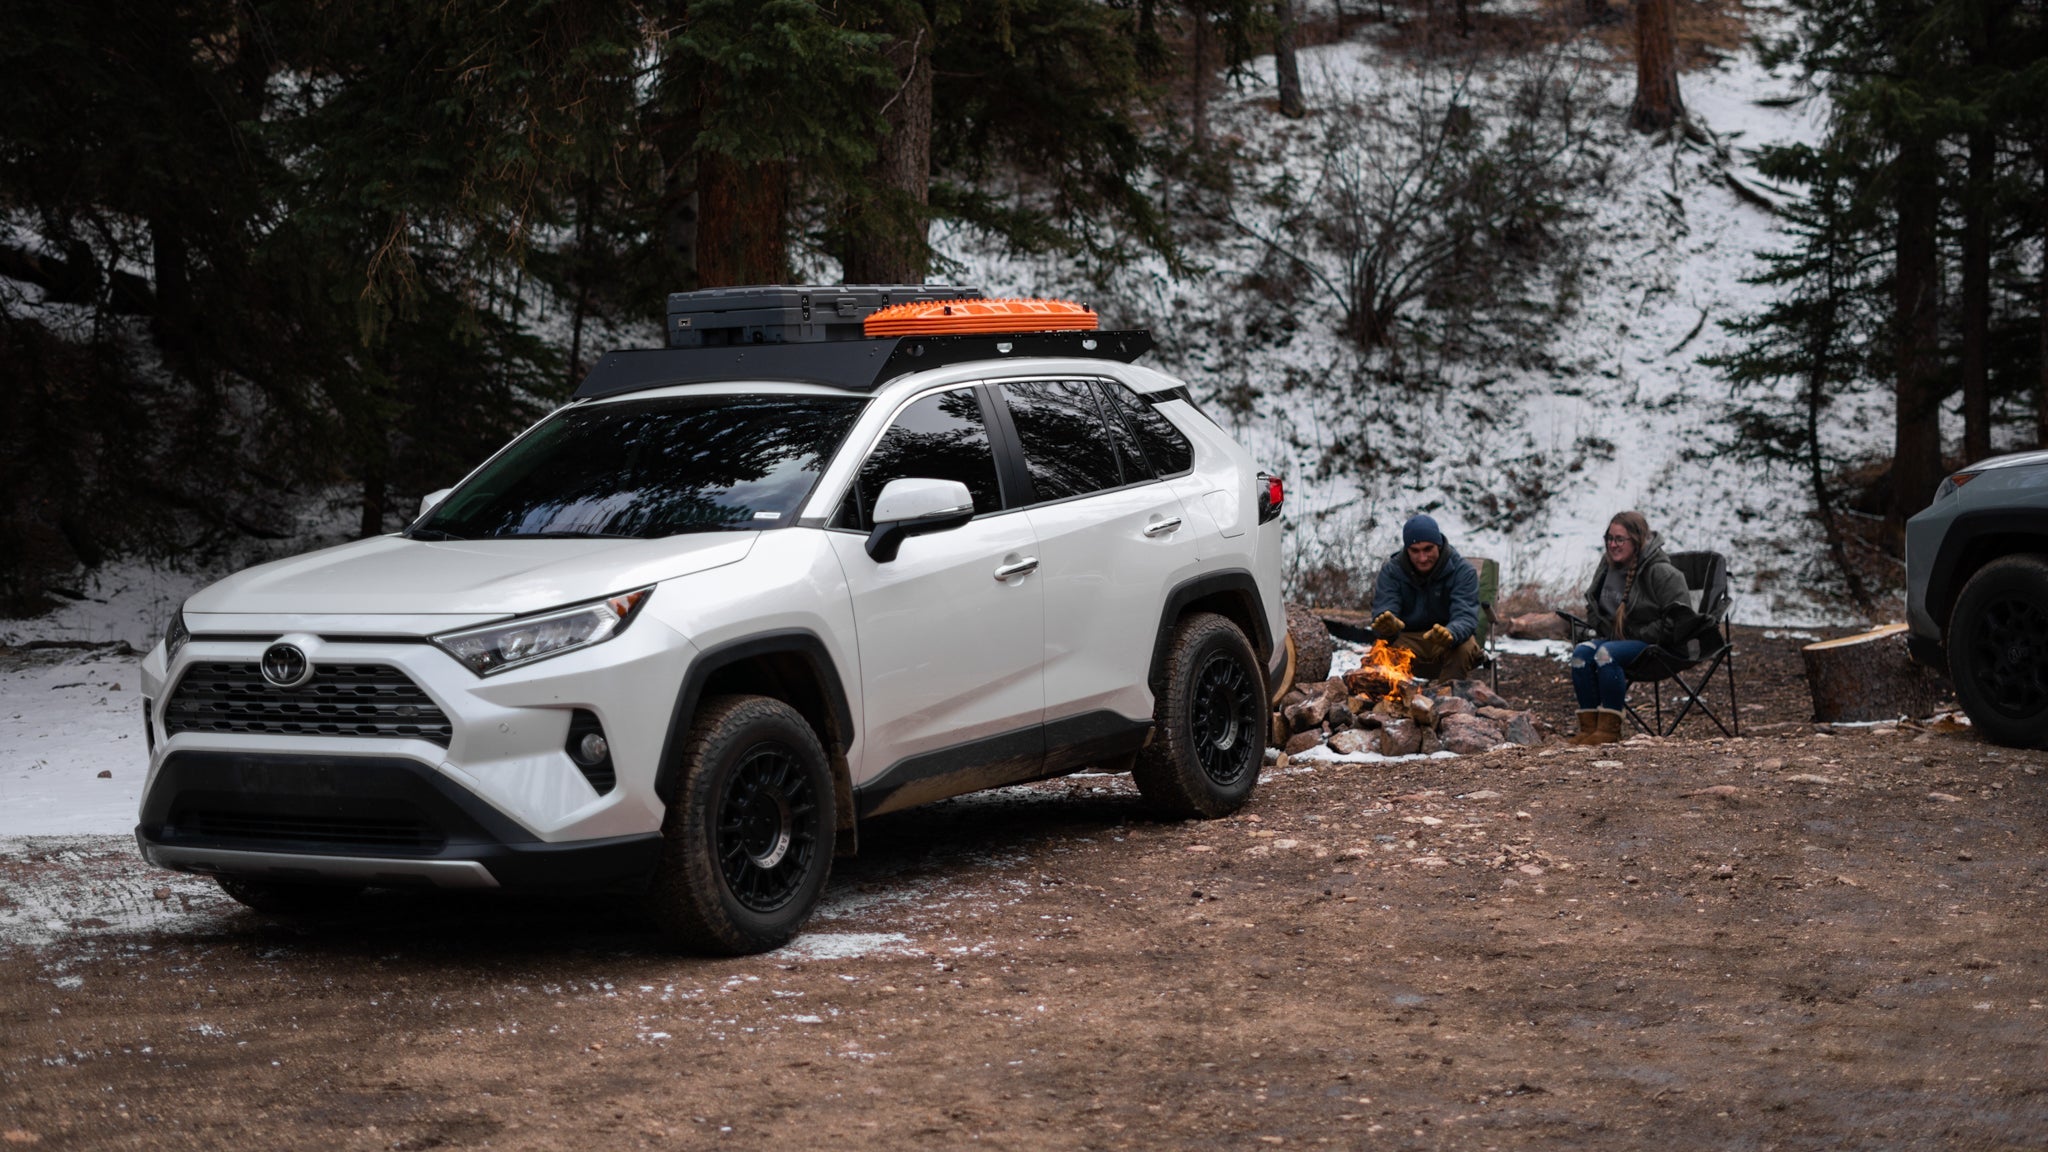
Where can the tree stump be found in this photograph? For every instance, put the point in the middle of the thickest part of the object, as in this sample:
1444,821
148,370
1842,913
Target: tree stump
1870,677
1312,647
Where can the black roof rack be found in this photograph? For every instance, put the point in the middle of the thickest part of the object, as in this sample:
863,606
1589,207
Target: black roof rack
857,365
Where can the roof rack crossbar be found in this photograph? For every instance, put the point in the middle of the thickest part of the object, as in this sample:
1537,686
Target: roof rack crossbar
855,365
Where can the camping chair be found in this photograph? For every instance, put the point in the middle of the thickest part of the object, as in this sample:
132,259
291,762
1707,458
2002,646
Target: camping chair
1710,642
1489,591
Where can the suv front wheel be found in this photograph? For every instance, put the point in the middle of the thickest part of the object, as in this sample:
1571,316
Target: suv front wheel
1209,724
750,834
1998,650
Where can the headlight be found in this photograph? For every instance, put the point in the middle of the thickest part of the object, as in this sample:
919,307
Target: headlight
496,647
1949,486
176,636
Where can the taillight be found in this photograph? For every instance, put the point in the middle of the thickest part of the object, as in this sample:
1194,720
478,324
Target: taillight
1272,494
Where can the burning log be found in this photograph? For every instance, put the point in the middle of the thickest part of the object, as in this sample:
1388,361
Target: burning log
1385,670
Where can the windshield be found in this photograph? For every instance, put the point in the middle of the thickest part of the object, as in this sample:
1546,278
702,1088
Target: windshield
651,468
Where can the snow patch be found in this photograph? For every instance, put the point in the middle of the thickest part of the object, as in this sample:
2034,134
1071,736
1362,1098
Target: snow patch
846,946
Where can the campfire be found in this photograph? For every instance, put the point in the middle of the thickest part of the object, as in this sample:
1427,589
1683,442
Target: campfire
1385,674
1381,707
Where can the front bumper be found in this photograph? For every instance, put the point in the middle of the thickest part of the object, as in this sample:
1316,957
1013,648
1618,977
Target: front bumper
374,820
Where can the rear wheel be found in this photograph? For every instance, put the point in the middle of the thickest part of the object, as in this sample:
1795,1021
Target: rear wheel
1209,723
283,898
750,834
1998,650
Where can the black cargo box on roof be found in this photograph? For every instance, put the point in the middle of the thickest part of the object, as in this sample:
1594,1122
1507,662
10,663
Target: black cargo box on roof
790,313
858,365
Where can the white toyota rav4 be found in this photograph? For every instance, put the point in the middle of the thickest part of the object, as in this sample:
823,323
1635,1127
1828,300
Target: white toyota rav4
688,630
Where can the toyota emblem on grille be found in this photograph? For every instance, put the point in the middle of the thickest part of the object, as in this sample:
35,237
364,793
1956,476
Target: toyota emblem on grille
285,666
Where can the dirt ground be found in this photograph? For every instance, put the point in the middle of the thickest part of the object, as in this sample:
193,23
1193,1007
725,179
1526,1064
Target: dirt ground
1540,948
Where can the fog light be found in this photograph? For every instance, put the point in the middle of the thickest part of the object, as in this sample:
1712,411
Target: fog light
593,748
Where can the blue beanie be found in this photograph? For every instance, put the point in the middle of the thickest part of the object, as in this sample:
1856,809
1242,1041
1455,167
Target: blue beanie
1421,530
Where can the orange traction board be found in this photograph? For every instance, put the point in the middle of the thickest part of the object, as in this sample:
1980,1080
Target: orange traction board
960,317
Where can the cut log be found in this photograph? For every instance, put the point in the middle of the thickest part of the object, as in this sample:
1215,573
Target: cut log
1870,677
1312,646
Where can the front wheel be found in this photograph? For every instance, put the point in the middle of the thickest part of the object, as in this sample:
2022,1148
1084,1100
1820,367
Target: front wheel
749,836
1209,723
1998,650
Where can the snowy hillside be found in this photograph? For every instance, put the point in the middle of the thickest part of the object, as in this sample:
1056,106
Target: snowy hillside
1623,417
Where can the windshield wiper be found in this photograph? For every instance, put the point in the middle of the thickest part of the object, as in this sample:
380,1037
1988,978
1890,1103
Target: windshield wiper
432,534
566,536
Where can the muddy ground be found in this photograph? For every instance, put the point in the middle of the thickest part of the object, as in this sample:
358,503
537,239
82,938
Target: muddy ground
1542,948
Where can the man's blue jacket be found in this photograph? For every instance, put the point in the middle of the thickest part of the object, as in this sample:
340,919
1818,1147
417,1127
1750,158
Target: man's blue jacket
1449,595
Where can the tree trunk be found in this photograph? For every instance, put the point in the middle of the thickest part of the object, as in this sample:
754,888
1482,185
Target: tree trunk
741,237
1870,677
1286,68
372,521
171,318
1977,299
1657,105
1916,462
1597,12
888,232
2041,383
1823,498
1198,76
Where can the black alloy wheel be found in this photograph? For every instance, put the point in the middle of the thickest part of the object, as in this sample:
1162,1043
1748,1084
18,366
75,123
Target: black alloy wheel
1208,722
767,828
1998,650
749,835
1226,721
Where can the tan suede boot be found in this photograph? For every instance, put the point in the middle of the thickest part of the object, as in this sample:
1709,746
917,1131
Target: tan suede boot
1589,728
1606,728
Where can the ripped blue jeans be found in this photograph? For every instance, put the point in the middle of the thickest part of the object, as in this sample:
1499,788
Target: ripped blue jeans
1600,672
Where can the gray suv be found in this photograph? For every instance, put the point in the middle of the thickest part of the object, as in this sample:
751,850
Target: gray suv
1977,593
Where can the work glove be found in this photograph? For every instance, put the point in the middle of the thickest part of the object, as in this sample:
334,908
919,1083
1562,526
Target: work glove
1387,624
1437,640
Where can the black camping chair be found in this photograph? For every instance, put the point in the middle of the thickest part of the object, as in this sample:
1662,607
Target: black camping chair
1710,642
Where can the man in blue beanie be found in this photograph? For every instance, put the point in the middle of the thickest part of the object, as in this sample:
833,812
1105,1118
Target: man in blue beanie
1427,601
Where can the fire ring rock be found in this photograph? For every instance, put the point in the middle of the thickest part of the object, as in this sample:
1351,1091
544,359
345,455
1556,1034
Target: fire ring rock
1355,740
1400,738
1467,735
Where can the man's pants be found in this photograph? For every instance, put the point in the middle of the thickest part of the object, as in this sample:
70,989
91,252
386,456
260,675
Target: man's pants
1455,664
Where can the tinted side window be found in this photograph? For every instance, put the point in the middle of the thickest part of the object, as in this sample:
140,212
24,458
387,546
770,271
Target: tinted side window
940,437
1066,444
1168,451
1127,451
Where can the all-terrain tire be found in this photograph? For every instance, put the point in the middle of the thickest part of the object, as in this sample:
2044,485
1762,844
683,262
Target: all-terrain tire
284,898
1208,724
1998,650
1313,647
749,837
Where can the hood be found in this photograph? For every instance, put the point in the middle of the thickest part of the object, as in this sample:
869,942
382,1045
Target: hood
2011,460
396,576
1446,559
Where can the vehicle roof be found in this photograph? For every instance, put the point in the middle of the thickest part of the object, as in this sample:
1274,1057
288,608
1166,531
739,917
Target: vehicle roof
1136,377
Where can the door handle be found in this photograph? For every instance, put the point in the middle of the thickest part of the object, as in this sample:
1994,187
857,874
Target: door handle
1022,567
1162,527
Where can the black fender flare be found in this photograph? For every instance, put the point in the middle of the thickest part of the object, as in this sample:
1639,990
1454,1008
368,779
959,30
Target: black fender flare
1984,535
1234,582
800,642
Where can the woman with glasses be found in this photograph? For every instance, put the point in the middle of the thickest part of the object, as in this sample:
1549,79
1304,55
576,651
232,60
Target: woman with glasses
1637,599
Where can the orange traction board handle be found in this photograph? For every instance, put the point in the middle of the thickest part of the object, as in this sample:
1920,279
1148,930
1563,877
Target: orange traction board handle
958,317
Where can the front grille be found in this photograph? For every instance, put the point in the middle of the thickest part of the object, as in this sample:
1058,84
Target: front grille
398,831
340,700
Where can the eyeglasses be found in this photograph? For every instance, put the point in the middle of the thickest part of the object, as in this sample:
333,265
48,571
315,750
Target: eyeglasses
1618,539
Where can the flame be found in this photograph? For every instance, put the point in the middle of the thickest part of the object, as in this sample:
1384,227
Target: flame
1393,662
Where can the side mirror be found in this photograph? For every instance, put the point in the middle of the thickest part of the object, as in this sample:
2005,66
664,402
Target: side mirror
431,499
913,507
